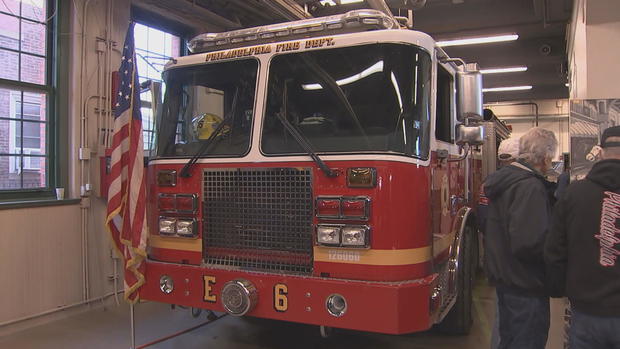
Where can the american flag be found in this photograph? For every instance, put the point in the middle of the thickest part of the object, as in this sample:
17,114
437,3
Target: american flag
127,192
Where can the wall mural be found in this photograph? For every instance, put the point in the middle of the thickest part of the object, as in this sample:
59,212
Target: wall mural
588,119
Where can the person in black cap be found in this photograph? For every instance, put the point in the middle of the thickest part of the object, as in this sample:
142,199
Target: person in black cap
582,251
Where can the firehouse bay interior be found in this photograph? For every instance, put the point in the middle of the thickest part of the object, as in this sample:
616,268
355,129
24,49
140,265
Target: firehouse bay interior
278,173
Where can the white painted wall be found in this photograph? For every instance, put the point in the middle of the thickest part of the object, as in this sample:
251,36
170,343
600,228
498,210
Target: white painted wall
41,256
40,260
553,115
593,51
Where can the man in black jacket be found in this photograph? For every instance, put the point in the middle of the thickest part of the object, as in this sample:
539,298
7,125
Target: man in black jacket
582,251
518,219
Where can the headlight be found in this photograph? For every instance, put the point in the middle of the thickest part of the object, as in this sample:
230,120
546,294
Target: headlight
362,177
166,285
328,235
336,305
167,225
185,227
355,236
167,178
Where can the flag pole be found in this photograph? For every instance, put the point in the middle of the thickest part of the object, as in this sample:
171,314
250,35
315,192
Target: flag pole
133,328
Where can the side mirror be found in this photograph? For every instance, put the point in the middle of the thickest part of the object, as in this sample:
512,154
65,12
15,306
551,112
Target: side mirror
471,135
469,92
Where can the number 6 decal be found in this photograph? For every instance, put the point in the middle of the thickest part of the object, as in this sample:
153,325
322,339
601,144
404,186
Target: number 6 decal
280,301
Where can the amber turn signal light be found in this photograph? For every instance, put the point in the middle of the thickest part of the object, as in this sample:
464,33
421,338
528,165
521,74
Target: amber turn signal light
362,177
166,178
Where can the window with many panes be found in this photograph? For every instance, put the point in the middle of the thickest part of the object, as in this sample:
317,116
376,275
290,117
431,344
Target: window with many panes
26,162
153,49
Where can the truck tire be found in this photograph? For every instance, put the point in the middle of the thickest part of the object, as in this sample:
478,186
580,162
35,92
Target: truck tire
459,319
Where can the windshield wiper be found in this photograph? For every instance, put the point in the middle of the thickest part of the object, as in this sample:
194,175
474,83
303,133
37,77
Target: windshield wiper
330,83
210,141
299,138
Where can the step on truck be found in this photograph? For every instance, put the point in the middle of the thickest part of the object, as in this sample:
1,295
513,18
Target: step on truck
319,171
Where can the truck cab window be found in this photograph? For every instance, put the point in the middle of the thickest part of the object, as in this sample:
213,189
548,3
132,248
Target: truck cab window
444,103
198,99
370,98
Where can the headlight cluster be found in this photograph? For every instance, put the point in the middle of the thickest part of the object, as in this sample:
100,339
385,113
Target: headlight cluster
178,215
174,226
343,235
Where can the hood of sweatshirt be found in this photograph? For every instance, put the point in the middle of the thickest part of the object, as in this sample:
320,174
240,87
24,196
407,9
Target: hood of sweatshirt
606,173
498,182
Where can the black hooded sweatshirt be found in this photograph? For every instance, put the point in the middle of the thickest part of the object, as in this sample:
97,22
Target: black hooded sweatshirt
518,220
582,250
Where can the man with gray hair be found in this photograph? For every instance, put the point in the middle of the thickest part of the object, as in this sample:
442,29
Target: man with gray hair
582,250
520,201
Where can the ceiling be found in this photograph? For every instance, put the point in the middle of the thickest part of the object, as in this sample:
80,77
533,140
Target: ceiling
540,24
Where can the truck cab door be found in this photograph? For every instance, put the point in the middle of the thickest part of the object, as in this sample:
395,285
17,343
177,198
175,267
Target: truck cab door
447,176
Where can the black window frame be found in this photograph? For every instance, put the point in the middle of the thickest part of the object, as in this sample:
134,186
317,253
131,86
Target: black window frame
53,172
445,100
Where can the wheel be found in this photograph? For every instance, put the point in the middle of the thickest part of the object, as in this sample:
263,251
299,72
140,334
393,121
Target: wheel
459,319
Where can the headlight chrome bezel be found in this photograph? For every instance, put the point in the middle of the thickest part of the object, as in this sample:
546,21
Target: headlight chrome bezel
191,223
171,223
174,223
341,228
337,229
363,229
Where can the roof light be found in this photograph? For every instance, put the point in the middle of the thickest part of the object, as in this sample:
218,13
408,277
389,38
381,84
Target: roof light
342,2
478,40
375,68
356,20
507,88
503,70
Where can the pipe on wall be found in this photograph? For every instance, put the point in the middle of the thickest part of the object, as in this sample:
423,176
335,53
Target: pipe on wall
84,171
57,309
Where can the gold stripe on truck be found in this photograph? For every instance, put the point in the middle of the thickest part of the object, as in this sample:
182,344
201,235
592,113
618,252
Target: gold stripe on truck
373,257
181,244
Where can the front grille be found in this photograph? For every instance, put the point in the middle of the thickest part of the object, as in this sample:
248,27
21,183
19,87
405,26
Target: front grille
258,219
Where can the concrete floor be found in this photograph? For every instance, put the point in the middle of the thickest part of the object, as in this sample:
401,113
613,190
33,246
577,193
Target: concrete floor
109,328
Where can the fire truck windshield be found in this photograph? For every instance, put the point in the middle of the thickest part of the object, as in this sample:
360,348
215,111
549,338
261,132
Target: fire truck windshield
198,99
370,98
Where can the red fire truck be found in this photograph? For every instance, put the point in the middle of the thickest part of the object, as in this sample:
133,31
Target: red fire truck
319,171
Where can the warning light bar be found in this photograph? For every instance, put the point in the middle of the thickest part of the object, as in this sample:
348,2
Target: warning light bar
352,21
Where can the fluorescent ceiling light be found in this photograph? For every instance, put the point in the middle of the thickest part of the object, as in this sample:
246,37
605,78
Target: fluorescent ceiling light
507,88
478,40
502,70
375,68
